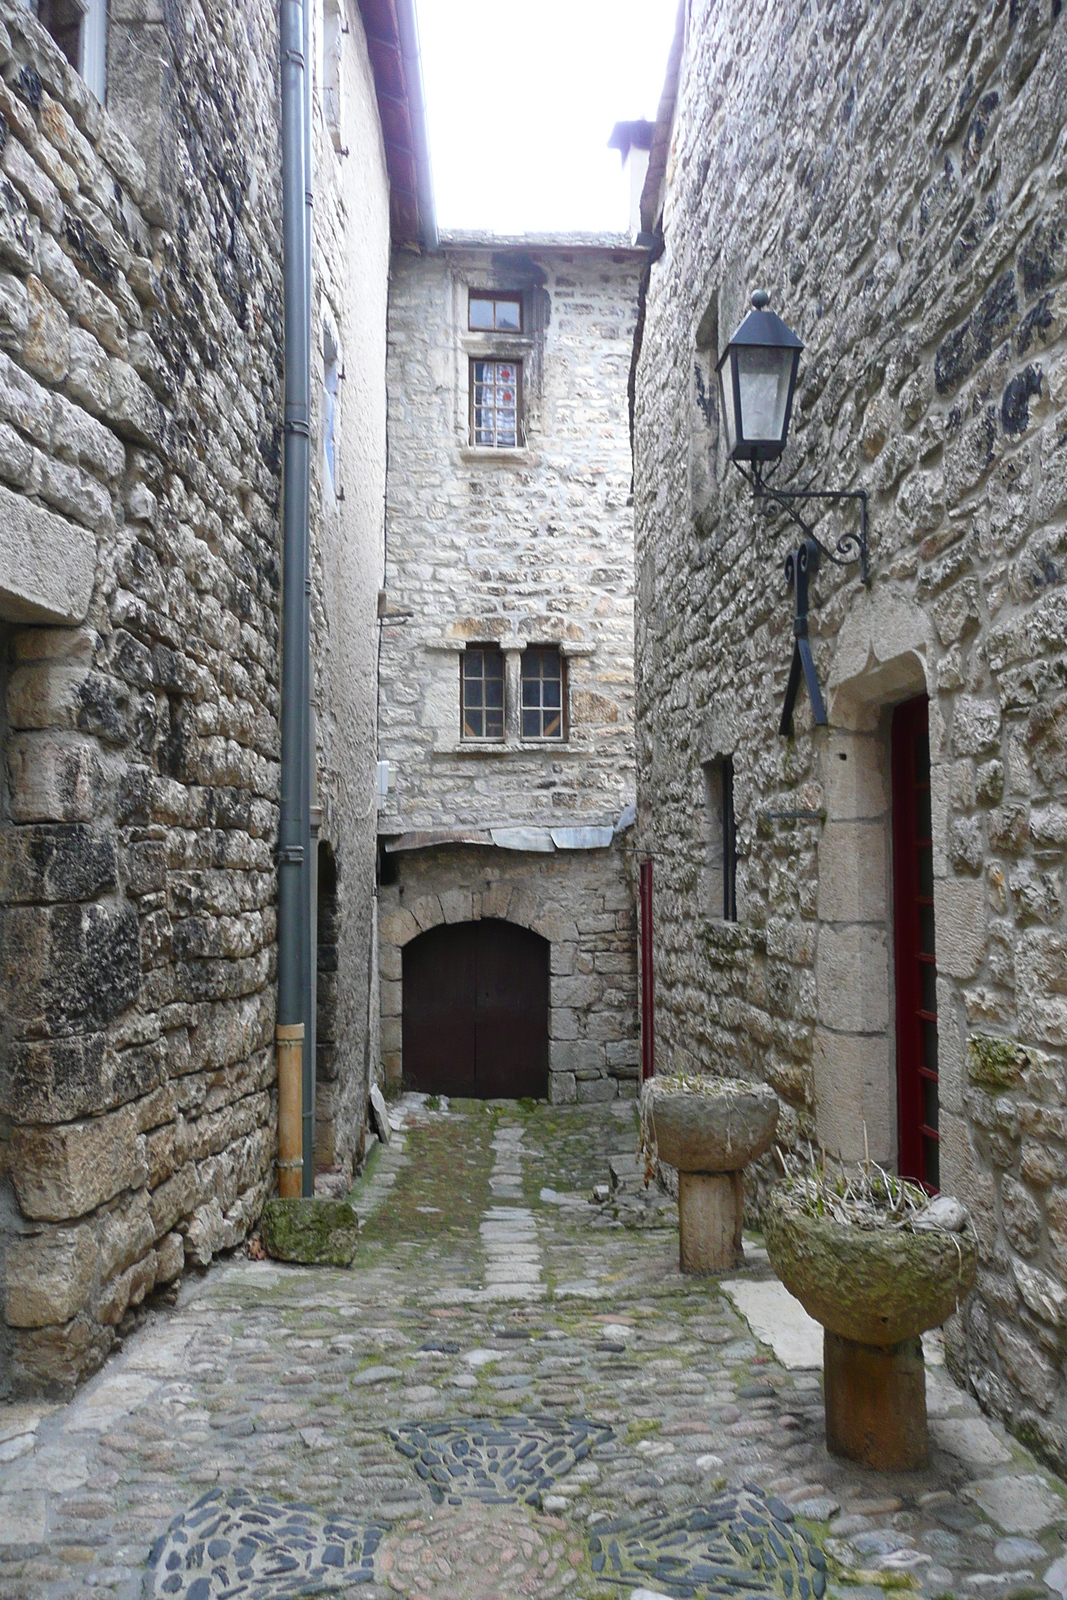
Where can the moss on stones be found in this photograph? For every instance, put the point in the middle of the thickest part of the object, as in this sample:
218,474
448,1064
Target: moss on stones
994,1062
316,1233
876,1287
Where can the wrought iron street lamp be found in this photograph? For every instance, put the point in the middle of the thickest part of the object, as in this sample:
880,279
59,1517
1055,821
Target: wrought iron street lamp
757,376
757,379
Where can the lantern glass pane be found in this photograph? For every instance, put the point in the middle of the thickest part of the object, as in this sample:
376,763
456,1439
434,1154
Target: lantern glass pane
726,396
763,378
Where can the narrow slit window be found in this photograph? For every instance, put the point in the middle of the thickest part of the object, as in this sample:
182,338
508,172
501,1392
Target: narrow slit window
494,313
331,375
721,839
543,687
79,28
482,692
496,388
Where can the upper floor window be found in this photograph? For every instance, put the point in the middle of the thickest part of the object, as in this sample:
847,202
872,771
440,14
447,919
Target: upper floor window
542,693
482,692
496,401
79,28
494,313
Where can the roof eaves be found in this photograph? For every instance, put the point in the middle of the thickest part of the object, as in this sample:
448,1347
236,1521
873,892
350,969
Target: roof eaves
392,31
652,193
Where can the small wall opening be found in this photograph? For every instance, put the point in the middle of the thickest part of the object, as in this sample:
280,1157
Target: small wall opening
331,378
326,999
719,878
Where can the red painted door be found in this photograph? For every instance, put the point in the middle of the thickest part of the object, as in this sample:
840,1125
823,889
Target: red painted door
913,928
476,1011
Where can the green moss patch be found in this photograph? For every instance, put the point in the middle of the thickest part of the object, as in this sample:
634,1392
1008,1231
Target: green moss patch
994,1062
315,1233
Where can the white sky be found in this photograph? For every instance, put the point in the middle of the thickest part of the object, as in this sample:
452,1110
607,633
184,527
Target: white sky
522,98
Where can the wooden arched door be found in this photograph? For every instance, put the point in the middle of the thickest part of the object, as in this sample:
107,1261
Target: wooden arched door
476,1011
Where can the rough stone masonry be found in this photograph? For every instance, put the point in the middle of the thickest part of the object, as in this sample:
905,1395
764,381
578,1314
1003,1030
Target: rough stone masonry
895,176
140,351
515,547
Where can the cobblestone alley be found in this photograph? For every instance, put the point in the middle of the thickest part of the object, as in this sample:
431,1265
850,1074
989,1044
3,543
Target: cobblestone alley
513,1393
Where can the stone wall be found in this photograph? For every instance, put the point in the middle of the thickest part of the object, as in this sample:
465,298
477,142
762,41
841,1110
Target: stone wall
524,546
348,535
140,389
894,176
581,902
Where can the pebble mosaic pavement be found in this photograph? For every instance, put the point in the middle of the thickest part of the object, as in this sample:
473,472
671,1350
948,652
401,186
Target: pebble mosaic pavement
264,1437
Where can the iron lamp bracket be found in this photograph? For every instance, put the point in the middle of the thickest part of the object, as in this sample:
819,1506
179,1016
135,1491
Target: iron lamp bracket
802,563
852,546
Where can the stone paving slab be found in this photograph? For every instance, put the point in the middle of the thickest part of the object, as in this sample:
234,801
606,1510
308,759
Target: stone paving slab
284,1390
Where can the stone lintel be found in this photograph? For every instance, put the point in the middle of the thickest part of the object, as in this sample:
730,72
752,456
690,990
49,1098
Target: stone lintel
47,564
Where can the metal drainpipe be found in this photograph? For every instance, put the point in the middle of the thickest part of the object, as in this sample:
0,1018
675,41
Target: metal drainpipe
293,824
310,739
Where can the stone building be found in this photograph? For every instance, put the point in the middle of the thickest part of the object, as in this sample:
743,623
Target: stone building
507,670
140,449
870,914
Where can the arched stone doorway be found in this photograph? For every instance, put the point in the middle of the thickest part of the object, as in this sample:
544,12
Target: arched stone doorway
475,1011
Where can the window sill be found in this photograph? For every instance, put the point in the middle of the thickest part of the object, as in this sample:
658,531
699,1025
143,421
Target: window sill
503,456
476,747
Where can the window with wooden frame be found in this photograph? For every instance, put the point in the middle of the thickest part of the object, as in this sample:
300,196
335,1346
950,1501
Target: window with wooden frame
482,692
496,403
490,312
543,693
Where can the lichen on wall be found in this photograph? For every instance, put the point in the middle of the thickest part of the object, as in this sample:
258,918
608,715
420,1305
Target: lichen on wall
894,180
140,398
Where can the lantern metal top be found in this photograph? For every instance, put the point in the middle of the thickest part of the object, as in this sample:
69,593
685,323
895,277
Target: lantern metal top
765,328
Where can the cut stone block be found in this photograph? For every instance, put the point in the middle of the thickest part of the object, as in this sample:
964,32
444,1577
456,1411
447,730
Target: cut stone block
316,1233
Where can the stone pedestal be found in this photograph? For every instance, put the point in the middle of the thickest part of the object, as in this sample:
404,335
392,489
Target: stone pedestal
710,1213
875,1399
709,1134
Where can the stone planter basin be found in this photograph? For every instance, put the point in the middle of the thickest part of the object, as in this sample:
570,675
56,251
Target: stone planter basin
721,1130
709,1131
875,1287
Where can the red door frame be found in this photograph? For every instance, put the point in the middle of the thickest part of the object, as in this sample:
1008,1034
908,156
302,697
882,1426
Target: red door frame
913,939
648,1036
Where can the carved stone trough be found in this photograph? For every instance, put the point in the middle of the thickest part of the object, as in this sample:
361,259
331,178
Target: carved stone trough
709,1129
875,1290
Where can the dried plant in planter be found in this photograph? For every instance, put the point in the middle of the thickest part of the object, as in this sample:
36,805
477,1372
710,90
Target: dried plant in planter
867,1196
877,1262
